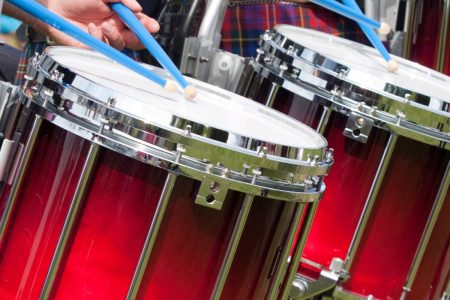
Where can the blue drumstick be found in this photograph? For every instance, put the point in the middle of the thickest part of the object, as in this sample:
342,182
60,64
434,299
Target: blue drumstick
353,14
373,38
38,11
133,23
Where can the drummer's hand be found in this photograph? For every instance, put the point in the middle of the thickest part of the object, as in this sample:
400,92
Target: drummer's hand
95,17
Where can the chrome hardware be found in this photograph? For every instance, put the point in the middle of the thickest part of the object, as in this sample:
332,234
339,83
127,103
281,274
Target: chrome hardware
232,246
70,220
358,127
198,51
10,153
226,70
7,94
329,82
167,145
336,265
303,288
56,76
428,230
12,198
151,236
47,95
212,192
282,264
370,201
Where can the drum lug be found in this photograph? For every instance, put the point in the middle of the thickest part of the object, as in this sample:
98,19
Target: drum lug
212,192
358,127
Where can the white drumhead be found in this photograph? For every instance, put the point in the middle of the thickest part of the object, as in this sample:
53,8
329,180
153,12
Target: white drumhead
366,63
213,107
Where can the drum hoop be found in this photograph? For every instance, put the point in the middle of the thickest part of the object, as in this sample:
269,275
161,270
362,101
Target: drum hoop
171,160
89,113
343,104
292,51
275,51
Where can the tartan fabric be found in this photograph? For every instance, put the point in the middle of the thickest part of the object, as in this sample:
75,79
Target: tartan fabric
28,51
244,23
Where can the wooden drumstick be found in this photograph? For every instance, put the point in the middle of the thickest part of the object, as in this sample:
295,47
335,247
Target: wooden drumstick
152,45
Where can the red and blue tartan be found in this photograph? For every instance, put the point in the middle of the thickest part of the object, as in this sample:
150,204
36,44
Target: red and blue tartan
244,23
28,51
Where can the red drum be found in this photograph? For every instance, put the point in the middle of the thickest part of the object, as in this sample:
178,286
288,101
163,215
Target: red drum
126,190
384,224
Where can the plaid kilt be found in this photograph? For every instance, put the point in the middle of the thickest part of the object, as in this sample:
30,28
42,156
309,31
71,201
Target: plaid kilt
246,20
28,51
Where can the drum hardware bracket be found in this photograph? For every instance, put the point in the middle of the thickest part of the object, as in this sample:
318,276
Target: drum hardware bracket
358,127
446,296
48,95
213,191
303,288
56,76
108,118
7,93
343,73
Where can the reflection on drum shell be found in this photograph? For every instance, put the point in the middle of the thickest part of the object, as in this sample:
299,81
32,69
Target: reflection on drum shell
404,201
117,203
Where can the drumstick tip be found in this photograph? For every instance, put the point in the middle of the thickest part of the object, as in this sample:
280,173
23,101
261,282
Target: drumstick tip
384,28
392,66
170,86
190,92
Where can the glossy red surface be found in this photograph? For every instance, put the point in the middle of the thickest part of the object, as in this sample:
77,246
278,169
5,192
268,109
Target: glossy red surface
348,184
424,50
118,209
190,247
109,235
262,241
399,215
189,253
39,214
398,219
434,271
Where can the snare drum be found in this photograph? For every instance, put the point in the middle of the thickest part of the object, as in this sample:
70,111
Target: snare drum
386,213
125,189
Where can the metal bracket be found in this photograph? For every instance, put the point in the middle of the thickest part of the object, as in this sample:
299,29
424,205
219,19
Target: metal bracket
358,127
303,288
7,93
212,192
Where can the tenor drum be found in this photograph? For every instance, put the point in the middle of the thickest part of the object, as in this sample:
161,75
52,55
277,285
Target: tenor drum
384,223
125,189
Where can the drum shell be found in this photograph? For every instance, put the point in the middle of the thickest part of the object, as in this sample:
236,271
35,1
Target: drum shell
399,216
111,229
424,48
